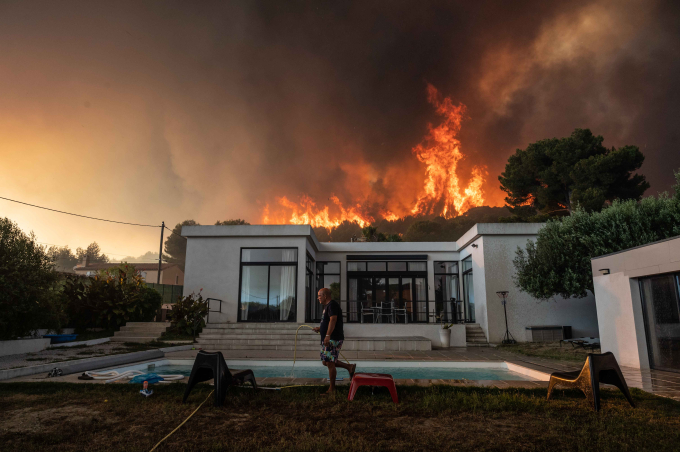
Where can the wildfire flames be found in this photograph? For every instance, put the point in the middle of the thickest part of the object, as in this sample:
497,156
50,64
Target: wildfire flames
442,193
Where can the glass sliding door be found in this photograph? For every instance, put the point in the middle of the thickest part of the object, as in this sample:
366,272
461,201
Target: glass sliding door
404,284
446,292
327,276
268,285
281,293
420,292
661,307
407,296
468,291
254,288
380,290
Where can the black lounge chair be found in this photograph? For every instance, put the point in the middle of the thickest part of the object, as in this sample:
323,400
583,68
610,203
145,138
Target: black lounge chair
212,365
597,369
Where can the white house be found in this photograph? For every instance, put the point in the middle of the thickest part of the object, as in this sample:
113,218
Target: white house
638,304
271,273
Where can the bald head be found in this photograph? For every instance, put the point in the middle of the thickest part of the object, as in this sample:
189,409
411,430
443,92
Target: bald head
324,295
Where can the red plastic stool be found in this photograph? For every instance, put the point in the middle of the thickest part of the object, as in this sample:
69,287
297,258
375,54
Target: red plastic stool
385,380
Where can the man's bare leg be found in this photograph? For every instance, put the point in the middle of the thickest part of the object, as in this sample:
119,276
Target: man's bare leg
332,373
351,368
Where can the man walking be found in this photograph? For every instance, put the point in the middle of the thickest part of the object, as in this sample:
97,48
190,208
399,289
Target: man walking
332,336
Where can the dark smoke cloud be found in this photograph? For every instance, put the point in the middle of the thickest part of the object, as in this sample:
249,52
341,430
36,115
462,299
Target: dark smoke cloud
211,110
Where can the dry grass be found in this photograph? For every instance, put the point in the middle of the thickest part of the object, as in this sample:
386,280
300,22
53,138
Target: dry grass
94,417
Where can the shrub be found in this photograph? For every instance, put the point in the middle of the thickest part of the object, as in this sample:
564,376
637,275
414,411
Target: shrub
110,299
188,314
558,262
28,284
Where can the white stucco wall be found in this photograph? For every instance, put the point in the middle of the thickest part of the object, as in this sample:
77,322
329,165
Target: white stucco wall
617,294
430,331
493,271
619,314
213,258
213,264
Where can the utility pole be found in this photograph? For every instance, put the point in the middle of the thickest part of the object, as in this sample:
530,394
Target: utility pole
160,254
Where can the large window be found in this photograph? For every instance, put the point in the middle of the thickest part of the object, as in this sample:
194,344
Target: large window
468,290
310,296
328,276
446,291
661,308
401,286
268,285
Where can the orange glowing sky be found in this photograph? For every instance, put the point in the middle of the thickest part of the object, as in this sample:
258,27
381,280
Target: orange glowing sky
146,112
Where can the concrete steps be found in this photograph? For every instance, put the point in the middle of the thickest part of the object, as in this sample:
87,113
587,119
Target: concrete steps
281,336
475,336
140,332
257,336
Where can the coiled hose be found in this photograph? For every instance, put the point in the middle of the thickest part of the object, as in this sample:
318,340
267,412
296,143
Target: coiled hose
114,375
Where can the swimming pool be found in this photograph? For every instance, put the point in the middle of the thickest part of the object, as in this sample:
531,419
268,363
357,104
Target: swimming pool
445,370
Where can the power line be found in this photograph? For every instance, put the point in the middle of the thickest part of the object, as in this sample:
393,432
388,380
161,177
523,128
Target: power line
174,232
82,216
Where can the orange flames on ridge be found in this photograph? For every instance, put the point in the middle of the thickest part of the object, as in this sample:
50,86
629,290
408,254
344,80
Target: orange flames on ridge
442,192
441,153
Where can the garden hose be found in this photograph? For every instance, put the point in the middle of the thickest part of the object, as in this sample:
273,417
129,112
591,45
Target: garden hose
295,348
183,422
206,399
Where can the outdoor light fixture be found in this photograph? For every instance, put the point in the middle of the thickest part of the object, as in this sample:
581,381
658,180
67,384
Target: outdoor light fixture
604,271
508,338
474,245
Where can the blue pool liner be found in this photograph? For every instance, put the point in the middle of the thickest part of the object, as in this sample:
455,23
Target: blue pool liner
59,338
151,378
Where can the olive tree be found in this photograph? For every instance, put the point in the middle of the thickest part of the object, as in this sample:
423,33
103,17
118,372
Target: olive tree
558,262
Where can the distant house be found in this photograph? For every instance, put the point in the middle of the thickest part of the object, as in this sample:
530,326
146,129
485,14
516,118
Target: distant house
170,273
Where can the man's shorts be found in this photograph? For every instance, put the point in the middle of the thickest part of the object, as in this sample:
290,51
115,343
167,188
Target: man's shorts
330,353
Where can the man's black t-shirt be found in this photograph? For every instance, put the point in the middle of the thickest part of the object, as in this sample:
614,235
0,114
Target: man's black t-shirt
332,308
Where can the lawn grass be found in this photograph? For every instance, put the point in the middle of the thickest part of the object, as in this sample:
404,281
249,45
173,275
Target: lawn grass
550,350
96,417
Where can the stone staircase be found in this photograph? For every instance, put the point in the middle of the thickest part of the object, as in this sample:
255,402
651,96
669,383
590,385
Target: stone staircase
257,336
281,336
475,336
140,331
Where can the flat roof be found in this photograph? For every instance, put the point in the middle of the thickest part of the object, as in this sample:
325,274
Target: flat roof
635,247
305,230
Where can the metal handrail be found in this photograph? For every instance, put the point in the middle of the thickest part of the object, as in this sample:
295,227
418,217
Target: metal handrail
209,310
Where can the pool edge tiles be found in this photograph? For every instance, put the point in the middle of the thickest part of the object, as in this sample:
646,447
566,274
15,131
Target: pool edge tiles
527,374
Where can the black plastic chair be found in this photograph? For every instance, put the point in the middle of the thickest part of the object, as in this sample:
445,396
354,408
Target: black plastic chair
597,369
212,365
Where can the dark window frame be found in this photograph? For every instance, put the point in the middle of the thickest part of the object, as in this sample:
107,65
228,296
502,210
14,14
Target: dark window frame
269,265
462,290
318,278
438,272
394,274
645,317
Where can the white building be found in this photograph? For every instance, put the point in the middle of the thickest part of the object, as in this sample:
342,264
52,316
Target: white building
272,273
638,304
